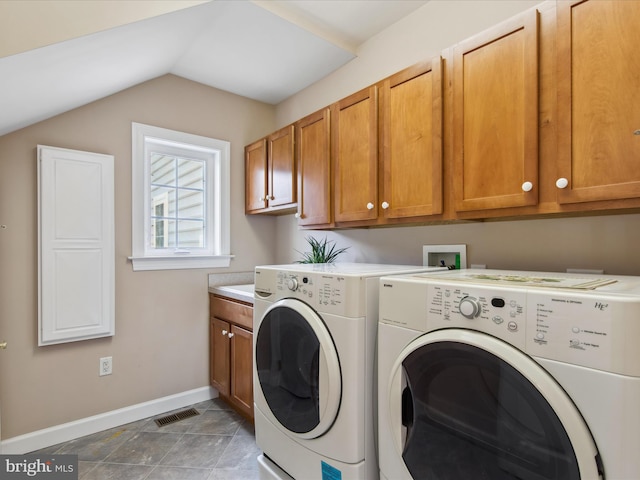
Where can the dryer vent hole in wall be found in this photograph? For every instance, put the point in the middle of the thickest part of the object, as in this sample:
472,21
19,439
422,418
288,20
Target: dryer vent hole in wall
176,417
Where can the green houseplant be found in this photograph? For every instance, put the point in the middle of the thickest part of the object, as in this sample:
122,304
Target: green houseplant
322,251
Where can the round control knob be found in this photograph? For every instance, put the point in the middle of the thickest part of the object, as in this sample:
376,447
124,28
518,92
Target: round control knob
527,186
562,183
469,307
292,284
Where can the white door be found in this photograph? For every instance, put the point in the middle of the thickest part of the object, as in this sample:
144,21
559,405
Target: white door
76,284
464,404
298,377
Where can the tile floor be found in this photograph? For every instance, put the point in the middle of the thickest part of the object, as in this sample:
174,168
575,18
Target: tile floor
218,444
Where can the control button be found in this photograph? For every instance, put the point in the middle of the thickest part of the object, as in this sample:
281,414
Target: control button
498,302
469,307
512,326
305,279
512,314
574,342
540,335
575,329
513,304
497,319
292,284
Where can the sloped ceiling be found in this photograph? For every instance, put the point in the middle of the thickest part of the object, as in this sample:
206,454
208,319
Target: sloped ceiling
264,50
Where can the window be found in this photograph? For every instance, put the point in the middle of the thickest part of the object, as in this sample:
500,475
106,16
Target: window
180,200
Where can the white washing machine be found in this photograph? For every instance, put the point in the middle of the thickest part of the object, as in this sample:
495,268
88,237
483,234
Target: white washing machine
509,375
314,344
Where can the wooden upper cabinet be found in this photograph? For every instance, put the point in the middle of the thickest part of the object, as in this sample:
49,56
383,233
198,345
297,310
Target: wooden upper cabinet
282,168
411,142
495,116
354,144
598,100
270,173
255,158
314,169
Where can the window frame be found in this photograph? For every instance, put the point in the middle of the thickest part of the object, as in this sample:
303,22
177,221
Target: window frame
216,154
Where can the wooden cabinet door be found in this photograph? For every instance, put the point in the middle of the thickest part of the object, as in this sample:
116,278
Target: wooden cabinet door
314,169
354,133
495,116
220,354
242,369
598,100
411,142
255,172
282,169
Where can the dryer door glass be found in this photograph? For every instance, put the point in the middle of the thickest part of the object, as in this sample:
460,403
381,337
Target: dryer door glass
287,362
469,414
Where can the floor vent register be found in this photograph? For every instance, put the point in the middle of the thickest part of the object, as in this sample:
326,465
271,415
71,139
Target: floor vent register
176,417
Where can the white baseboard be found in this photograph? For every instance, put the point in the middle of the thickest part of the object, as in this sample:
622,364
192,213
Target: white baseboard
39,439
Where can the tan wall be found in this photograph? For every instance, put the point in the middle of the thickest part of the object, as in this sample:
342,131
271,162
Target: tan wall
608,243
550,244
161,346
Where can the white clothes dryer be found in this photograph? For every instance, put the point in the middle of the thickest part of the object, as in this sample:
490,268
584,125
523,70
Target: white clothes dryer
314,343
499,375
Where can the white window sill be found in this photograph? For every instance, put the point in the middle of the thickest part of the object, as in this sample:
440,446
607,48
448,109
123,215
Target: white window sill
180,262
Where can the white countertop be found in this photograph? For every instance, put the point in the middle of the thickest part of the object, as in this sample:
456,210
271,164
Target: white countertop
243,293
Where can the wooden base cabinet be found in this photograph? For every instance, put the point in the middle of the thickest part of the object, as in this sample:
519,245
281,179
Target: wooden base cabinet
231,352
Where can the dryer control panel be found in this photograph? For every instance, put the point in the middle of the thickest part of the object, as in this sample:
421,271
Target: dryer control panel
500,313
596,328
588,329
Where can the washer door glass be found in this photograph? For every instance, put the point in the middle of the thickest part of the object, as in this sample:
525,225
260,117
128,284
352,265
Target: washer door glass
467,413
297,368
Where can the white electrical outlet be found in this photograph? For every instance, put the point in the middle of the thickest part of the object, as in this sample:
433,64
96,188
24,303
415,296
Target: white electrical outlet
106,366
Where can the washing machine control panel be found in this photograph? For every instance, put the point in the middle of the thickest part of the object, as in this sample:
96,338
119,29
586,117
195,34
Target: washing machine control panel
501,313
325,292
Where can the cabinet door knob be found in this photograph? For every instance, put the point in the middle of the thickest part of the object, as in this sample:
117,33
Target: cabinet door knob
562,183
369,206
297,215
231,334
385,205
3,345
527,186
224,332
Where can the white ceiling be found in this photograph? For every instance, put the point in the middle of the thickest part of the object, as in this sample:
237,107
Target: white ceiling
263,49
